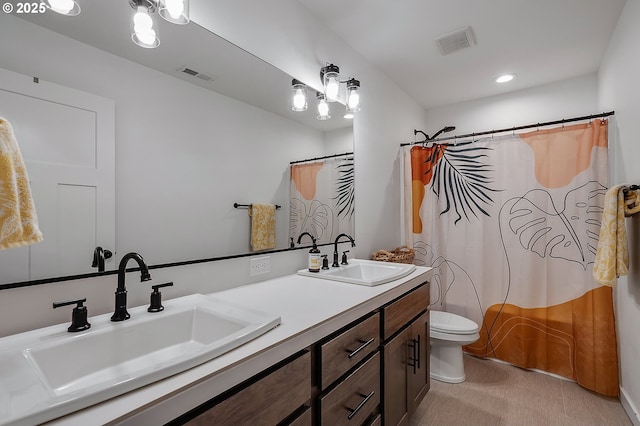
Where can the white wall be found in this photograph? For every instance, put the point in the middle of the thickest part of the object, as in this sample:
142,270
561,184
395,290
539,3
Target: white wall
564,99
184,154
619,89
338,141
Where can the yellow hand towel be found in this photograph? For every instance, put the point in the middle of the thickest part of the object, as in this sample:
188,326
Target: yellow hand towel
18,220
612,258
263,226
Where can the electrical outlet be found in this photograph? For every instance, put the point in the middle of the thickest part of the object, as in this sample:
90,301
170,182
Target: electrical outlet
259,265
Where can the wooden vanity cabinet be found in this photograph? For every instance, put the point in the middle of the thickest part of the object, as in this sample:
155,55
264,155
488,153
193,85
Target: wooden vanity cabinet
405,352
348,374
372,372
281,397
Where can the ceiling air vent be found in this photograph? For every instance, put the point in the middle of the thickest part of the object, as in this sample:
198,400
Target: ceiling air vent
195,73
457,40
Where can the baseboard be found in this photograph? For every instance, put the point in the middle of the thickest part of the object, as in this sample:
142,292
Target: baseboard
629,408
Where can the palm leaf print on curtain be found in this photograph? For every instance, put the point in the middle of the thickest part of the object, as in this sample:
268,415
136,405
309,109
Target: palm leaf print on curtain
515,252
322,199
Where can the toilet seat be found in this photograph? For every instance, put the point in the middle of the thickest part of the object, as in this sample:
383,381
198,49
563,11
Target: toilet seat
448,323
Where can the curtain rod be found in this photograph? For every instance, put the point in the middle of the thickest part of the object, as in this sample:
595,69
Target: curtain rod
513,129
321,158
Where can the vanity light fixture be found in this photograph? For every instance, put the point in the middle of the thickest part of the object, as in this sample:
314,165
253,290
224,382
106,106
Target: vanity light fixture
505,78
353,95
63,7
144,30
175,11
323,107
330,76
298,96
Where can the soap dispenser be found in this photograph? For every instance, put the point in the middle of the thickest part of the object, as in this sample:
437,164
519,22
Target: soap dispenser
314,254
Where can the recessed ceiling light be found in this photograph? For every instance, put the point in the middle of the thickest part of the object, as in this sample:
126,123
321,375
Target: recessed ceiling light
505,78
348,116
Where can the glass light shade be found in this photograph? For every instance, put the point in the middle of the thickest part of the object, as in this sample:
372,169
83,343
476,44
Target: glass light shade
63,7
332,87
144,32
331,82
353,95
174,11
298,96
323,108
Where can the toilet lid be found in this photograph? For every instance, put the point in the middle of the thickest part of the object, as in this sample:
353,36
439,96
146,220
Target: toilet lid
447,322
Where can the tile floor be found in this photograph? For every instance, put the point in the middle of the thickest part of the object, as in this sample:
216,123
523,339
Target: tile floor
498,394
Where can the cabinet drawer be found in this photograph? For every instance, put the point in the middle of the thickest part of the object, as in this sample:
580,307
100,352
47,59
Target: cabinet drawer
267,401
377,421
344,351
399,313
358,396
303,419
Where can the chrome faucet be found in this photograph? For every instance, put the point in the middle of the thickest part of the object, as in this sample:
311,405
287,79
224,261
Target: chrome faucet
335,249
120,313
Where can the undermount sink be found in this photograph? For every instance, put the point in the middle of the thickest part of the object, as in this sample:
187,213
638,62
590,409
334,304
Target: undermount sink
363,272
47,373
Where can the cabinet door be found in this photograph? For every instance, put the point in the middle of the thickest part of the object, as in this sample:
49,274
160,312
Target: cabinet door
395,380
418,365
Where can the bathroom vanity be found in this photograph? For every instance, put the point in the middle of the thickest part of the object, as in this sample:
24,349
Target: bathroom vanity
342,354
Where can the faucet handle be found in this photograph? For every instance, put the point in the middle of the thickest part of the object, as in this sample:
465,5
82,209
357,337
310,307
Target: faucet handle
78,316
344,258
325,261
155,304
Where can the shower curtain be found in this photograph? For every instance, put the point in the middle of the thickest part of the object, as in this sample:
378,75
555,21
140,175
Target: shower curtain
322,199
510,225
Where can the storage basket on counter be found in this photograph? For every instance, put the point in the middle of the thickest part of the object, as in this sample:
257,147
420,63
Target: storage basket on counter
402,254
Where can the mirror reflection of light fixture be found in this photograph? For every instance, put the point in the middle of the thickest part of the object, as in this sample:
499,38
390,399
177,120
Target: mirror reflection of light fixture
353,95
174,11
63,7
298,96
144,31
323,107
330,76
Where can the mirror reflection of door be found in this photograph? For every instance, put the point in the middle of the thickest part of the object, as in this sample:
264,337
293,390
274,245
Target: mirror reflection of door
67,141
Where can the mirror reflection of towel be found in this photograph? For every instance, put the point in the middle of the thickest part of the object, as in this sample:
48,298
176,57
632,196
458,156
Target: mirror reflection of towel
18,220
263,226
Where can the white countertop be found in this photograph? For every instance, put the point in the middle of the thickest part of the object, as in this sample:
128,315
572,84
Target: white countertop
309,309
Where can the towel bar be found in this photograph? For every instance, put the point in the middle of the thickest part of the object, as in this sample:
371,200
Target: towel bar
246,206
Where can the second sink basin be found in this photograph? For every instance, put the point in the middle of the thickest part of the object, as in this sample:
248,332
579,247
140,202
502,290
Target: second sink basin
363,272
77,370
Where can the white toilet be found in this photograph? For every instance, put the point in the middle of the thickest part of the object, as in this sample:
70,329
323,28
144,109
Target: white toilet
449,332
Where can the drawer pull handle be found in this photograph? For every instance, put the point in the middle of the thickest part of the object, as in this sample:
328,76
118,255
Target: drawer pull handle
418,346
364,345
364,401
414,358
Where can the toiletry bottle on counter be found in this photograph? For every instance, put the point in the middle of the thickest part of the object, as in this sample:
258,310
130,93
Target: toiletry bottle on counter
314,259
314,253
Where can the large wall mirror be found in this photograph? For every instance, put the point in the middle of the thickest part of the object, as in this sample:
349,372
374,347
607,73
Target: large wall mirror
187,147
